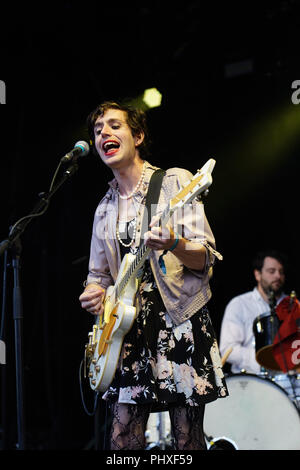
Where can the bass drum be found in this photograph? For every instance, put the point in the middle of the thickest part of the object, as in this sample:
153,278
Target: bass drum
291,384
257,415
158,431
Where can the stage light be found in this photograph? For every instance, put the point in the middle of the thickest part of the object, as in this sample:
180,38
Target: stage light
152,97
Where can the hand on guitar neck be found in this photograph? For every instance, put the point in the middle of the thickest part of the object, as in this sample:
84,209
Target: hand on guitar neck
92,299
192,255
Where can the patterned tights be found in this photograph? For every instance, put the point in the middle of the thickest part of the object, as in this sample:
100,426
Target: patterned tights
129,425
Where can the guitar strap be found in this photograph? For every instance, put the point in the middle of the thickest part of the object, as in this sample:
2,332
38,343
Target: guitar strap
151,199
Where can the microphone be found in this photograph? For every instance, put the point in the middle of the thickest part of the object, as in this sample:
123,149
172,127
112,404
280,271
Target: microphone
271,293
80,149
292,299
271,298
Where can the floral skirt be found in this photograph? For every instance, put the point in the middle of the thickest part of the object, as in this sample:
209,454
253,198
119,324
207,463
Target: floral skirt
164,364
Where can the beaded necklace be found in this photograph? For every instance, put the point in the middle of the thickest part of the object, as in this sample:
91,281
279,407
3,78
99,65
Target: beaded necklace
141,180
127,245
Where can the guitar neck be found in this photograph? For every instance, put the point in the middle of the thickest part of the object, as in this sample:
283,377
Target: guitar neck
133,269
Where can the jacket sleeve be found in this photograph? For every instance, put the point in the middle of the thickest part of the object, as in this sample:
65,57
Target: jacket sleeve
191,223
99,270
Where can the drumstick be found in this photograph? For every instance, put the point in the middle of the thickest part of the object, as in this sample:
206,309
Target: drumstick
225,357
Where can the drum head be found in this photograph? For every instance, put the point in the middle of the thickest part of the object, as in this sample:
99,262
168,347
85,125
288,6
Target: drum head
257,415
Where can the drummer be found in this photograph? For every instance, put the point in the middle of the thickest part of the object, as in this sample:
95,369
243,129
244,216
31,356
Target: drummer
269,269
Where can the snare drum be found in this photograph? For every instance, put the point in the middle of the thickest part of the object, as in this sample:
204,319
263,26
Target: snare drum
257,415
265,327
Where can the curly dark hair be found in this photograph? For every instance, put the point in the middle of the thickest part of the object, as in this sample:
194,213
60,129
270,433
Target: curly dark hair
136,119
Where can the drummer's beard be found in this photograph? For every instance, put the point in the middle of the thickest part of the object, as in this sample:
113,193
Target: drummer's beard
276,287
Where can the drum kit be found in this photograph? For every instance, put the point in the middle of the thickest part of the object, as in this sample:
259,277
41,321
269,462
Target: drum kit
262,412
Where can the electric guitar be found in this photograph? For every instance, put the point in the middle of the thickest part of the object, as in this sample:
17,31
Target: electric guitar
105,340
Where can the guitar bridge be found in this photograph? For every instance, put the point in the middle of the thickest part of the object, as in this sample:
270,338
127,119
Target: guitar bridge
91,346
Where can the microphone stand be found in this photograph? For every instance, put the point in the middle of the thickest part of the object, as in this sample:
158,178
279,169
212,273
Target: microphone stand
13,244
272,304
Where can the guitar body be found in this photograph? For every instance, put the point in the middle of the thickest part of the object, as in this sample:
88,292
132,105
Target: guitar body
105,341
107,338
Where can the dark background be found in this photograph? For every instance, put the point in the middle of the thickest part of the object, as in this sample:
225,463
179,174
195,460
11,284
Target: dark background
58,62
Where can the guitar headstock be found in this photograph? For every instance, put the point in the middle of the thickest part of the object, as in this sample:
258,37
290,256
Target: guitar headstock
197,185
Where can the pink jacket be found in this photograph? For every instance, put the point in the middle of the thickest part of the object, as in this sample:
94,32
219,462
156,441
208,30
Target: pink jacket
184,291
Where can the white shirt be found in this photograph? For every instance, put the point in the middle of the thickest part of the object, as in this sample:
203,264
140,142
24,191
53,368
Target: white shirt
237,330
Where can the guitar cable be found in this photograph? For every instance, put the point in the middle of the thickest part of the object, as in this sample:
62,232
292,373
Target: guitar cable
92,413
89,413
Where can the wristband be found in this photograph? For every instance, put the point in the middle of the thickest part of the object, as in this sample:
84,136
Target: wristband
175,243
161,258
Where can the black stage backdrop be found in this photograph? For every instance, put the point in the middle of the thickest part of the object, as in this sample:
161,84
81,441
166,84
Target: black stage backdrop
228,78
